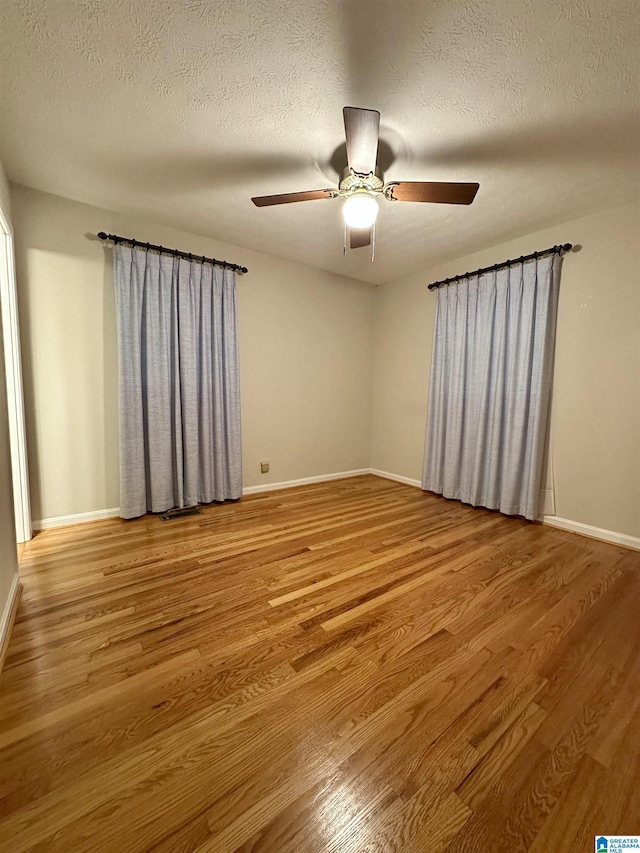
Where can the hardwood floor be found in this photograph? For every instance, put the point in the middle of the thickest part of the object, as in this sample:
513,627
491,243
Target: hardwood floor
349,666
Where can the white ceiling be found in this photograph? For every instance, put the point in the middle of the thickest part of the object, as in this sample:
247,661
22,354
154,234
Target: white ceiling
181,111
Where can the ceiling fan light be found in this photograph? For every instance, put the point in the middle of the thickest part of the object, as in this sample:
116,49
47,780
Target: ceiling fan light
360,210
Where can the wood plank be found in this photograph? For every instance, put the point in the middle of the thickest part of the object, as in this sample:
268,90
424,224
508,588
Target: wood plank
345,666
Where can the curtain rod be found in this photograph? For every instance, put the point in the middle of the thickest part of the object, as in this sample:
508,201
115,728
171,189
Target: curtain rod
189,256
552,250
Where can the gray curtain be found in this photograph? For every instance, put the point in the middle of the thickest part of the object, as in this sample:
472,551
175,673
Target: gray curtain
490,387
179,386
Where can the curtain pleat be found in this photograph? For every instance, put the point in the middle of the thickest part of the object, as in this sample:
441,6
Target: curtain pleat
180,440
490,386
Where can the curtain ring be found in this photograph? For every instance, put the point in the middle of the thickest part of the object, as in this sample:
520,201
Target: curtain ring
203,259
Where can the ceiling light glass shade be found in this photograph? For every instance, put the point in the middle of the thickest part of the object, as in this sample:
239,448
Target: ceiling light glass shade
360,211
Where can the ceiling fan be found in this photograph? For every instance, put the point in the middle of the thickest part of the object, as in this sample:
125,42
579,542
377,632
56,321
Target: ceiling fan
362,182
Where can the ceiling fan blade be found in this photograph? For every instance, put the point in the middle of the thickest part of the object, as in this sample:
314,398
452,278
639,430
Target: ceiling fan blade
287,198
359,237
436,192
361,129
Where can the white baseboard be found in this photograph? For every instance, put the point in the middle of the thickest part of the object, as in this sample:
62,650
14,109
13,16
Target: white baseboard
289,484
552,520
397,477
82,517
593,532
78,518
6,620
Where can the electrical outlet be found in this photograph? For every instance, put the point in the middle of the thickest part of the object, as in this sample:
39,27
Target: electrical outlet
264,467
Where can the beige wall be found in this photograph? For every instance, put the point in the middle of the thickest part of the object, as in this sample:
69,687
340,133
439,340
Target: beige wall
595,428
8,553
307,352
305,356
8,559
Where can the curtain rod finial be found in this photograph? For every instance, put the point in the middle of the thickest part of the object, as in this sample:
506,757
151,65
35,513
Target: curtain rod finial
553,250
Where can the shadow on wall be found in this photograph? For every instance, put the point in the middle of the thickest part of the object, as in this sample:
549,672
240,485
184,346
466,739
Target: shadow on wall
28,385
60,353
110,375
109,370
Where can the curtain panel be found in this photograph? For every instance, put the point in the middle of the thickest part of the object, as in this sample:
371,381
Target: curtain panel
179,395
490,387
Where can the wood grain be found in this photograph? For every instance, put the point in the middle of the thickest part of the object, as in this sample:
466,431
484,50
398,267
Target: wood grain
349,666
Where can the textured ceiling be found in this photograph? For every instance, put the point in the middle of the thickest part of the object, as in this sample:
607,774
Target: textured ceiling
181,111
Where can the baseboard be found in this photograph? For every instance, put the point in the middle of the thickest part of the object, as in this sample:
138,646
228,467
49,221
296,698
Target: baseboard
305,481
624,539
83,517
612,536
397,477
9,617
78,518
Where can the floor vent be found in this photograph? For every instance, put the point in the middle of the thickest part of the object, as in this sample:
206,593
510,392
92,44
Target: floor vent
180,512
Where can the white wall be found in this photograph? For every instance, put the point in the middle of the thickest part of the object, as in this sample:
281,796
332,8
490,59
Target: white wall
305,356
8,554
595,421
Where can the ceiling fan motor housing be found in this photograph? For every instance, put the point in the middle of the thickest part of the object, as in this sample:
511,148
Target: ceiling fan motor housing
352,181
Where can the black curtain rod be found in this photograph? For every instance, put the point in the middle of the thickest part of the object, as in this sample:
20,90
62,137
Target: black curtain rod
189,256
553,250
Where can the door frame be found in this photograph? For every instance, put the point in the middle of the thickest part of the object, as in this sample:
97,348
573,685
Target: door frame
15,394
